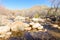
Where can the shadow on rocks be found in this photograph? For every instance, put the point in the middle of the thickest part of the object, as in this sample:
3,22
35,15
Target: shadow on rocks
34,36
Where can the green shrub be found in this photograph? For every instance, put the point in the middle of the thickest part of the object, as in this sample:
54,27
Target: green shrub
36,15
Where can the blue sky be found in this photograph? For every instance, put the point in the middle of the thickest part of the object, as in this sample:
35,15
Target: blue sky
21,4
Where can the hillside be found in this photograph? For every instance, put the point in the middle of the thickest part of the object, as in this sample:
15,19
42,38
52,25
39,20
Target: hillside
24,12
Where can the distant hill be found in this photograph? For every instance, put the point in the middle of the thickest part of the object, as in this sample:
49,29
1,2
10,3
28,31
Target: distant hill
31,11
41,10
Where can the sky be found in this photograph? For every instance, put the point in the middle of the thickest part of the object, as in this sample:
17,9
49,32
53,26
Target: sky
21,4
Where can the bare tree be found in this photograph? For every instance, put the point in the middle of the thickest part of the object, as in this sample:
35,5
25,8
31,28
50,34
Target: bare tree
55,4
49,10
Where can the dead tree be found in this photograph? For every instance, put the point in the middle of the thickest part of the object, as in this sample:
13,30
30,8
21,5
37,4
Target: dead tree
55,4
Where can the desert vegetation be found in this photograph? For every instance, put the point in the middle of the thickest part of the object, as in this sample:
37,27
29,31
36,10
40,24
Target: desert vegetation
35,23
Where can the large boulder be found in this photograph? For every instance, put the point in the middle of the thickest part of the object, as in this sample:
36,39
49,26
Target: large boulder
5,31
37,25
16,26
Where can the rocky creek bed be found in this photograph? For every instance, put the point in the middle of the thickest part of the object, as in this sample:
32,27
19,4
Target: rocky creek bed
51,34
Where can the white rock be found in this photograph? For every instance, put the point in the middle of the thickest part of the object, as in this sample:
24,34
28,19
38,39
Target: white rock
45,30
32,23
5,35
58,27
2,35
55,25
41,27
38,19
36,25
4,29
26,25
28,28
35,19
